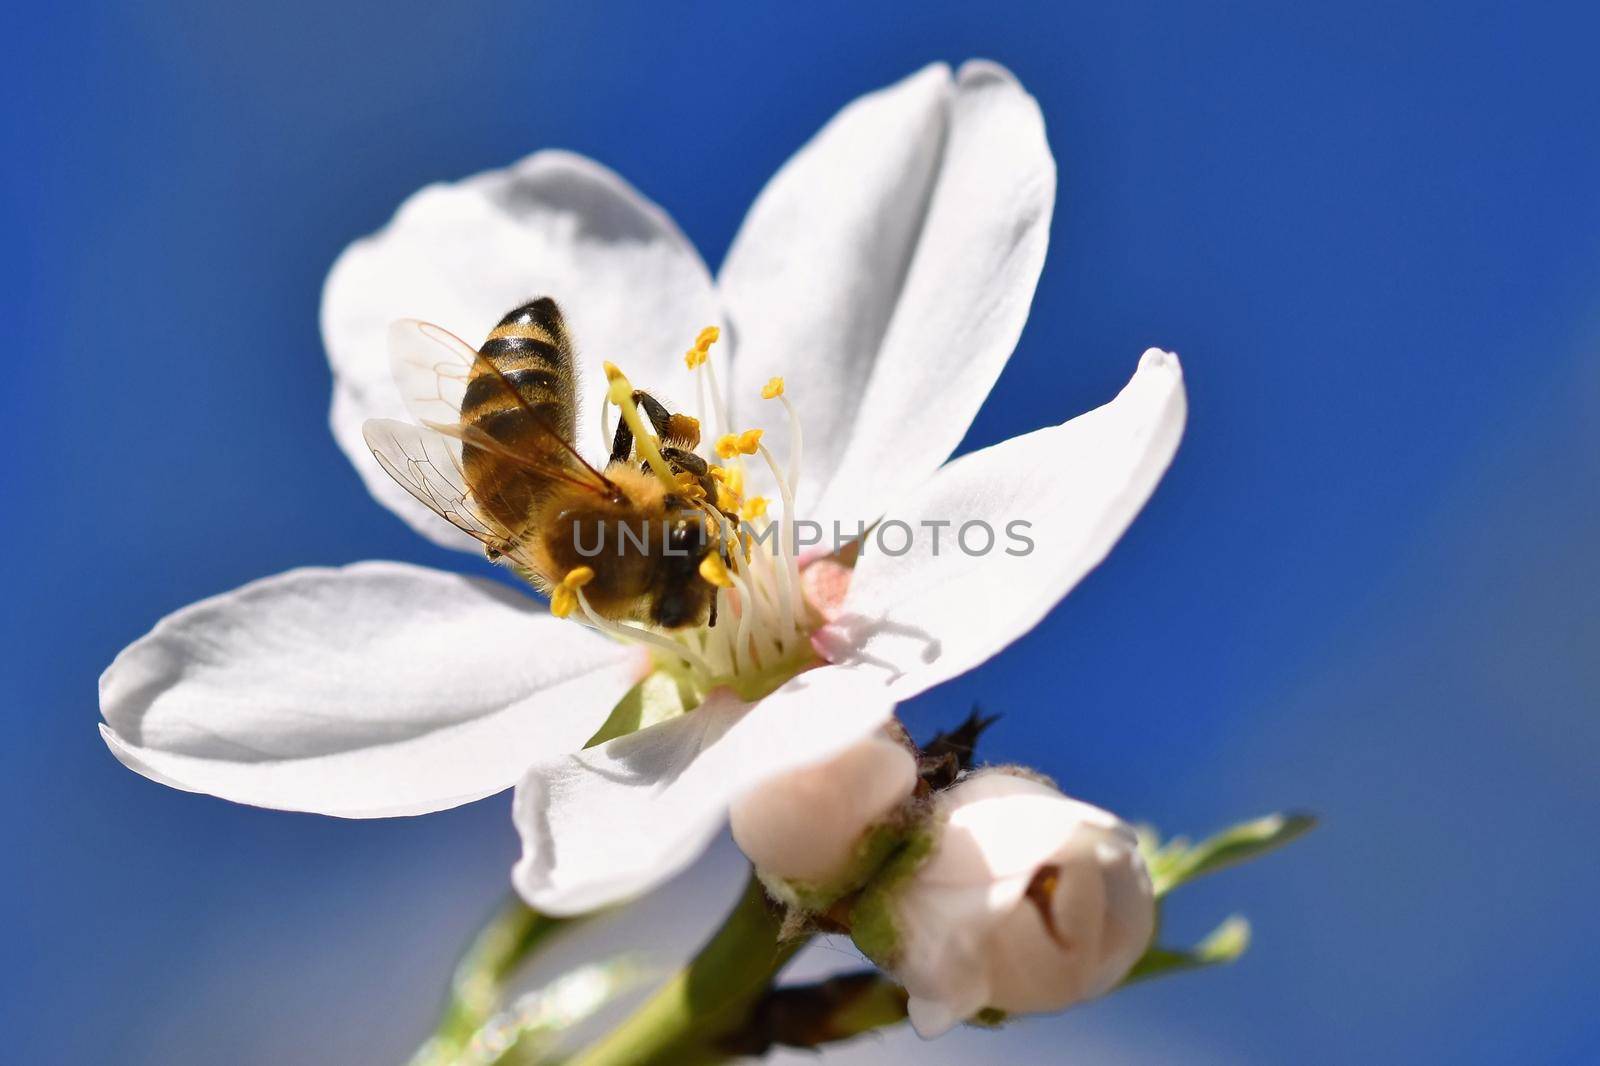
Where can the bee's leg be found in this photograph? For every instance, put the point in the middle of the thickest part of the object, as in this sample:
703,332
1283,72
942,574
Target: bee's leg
713,619
622,442
654,410
679,429
668,426
685,460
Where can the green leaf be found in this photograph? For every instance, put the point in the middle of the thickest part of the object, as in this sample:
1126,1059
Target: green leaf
1177,862
1225,944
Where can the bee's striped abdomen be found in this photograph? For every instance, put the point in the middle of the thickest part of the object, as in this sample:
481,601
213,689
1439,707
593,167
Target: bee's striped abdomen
524,376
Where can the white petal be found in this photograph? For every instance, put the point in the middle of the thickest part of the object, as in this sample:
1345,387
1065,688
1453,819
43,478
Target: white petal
374,690
887,270
461,255
926,616
616,820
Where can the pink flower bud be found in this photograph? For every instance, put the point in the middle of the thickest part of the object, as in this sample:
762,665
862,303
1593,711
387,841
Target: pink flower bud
1027,901
811,832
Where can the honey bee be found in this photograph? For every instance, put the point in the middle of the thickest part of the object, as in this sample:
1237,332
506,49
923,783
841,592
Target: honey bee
494,455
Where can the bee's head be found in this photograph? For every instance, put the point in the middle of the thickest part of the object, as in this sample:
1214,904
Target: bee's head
681,596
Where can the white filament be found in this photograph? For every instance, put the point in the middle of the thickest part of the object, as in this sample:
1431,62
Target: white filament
644,636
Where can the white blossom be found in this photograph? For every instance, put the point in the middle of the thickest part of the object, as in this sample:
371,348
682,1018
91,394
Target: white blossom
1027,902
886,272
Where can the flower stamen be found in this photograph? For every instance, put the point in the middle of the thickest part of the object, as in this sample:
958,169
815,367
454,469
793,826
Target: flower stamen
564,597
760,640
697,355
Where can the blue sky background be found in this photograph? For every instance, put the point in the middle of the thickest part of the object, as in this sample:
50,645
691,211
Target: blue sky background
1366,587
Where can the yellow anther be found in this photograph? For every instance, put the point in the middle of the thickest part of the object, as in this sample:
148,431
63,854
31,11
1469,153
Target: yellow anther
726,500
746,443
772,389
690,486
715,571
613,372
702,347
564,597
755,507
718,473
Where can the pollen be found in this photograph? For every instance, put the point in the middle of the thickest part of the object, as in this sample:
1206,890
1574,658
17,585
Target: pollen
715,571
772,389
564,597
755,507
730,486
702,347
685,429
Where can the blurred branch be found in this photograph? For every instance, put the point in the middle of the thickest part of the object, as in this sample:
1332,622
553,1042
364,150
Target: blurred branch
809,1016
686,1020
477,986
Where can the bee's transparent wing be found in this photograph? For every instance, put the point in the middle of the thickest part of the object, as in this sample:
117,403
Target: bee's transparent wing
431,367
427,464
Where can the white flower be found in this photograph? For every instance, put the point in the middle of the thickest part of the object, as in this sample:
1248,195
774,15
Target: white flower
810,832
886,271
1027,902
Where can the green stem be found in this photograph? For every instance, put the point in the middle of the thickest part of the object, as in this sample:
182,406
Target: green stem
512,935
686,1021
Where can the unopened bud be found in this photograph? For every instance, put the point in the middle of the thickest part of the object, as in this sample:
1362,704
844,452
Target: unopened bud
817,833
1021,901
